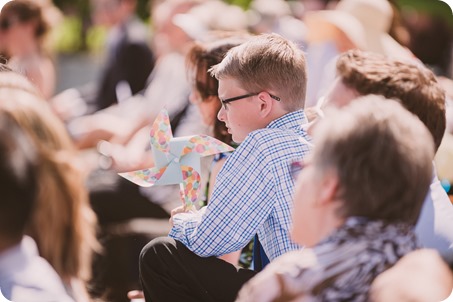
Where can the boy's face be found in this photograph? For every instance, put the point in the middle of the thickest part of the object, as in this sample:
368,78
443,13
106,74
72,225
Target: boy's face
241,116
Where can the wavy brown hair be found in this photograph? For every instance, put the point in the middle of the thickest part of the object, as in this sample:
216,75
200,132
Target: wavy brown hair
201,57
63,223
26,11
414,85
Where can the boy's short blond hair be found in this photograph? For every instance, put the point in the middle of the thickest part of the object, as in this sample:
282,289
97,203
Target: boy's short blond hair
271,63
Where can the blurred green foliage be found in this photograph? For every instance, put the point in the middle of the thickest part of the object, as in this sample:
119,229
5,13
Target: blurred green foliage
242,3
67,36
77,33
432,7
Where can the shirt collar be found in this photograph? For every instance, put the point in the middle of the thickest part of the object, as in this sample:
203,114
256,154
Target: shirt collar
18,256
357,228
289,120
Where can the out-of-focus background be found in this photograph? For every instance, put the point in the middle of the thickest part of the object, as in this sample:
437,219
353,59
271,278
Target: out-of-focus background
425,26
108,66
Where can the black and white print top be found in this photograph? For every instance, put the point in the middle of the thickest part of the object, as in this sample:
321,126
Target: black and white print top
340,268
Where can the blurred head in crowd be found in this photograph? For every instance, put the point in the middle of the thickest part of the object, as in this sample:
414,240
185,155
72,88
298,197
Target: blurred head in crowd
361,24
204,93
169,37
265,14
22,27
276,17
62,222
260,81
373,160
415,86
209,16
18,179
112,12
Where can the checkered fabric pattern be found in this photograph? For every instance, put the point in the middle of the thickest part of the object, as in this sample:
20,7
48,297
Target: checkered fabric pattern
252,194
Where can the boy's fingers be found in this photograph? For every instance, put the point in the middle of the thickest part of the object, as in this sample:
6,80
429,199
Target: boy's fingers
135,294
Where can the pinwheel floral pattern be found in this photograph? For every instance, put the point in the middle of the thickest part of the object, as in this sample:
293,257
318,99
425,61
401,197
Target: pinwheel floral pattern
176,160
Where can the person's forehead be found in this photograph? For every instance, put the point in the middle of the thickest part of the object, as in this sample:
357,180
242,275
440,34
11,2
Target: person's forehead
227,83
340,94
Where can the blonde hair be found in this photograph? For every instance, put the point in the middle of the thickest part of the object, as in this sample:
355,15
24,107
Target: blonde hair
62,224
267,62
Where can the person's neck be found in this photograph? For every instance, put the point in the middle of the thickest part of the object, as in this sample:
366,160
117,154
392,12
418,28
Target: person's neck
275,115
330,222
123,19
28,49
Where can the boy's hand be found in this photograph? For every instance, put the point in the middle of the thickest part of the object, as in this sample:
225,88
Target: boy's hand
136,295
180,209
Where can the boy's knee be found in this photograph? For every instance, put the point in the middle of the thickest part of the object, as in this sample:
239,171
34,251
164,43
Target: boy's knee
156,249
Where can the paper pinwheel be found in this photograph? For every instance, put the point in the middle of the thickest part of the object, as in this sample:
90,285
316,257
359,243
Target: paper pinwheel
176,160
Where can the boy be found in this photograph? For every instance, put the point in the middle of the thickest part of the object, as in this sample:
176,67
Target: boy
262,86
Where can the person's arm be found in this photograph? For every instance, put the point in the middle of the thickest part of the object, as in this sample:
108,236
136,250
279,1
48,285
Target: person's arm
233,257
242,200
271,283
216,167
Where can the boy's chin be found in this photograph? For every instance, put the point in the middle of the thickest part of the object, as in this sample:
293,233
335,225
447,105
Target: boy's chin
237,139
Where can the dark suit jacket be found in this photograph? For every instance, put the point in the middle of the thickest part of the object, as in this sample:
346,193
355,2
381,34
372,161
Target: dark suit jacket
129,59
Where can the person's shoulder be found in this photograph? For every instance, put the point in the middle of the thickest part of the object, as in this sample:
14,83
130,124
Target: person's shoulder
32,294
272,134
438,201
276,140
35,277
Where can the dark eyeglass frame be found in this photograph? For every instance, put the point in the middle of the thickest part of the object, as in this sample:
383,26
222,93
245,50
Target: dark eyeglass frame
237,98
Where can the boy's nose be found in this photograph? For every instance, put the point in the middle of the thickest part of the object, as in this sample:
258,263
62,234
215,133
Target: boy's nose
221,114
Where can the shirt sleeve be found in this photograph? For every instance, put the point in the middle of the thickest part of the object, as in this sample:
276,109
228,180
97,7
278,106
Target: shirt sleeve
242,200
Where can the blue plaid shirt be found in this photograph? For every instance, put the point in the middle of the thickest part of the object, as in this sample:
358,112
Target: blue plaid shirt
252,194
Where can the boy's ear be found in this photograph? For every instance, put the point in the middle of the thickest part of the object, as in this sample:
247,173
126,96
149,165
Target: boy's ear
265,103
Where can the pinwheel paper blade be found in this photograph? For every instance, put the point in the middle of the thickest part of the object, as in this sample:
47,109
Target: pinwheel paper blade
144,178
176,160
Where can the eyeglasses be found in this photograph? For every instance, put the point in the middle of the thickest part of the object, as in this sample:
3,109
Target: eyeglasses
237,98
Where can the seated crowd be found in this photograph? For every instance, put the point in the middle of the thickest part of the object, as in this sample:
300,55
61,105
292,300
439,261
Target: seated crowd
335,202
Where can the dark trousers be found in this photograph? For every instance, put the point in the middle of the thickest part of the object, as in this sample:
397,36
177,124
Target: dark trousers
171,272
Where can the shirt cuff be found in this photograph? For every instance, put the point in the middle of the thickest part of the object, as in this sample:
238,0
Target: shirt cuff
185,224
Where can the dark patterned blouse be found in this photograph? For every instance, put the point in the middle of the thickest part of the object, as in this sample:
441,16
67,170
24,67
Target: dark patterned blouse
340,268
